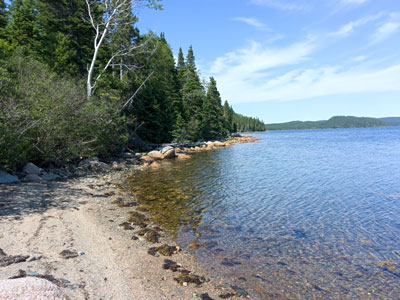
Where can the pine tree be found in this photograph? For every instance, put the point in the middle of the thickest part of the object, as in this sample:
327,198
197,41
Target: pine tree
193,97
23,29
3,19
227,118
212,124
154,107
180,68
67,36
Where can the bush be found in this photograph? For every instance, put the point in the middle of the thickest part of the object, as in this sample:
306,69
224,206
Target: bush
45,117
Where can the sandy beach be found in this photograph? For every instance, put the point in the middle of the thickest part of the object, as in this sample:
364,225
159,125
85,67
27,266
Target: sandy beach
41,220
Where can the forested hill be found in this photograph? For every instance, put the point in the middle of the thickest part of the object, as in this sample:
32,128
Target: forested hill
78,79
391,121
334,122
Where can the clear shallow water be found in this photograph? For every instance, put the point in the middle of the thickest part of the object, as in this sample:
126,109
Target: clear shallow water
301,215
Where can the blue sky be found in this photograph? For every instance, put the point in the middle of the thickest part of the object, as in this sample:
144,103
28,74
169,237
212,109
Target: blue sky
283,60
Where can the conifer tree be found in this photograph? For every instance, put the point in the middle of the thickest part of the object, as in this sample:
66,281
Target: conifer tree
193,97
180,68
23,29
212,124
3,19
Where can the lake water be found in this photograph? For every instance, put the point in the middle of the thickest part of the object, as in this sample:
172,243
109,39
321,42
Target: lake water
311,214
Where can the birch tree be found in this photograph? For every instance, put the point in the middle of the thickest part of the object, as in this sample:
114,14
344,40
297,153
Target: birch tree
113,15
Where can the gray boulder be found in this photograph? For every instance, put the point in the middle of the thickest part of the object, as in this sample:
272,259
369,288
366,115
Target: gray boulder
168,152
50,176
30,168
7,178
93,164
32,178
30,288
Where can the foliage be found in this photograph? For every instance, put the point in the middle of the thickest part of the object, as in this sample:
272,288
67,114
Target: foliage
46,55
46,117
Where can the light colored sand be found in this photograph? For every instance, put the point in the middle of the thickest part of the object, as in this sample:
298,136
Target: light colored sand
41,220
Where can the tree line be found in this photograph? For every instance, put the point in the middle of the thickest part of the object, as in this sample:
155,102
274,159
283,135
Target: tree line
77,79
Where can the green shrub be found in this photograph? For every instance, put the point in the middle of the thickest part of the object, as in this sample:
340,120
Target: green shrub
45,117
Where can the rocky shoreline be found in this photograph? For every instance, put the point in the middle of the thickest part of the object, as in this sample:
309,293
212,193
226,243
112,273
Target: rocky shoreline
84,235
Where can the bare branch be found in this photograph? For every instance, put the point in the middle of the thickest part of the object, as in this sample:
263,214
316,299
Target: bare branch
128,103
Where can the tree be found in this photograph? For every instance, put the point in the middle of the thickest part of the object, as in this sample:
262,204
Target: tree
193,97
227,118
67,37
180,68
23,30
3,18
114,14
212,124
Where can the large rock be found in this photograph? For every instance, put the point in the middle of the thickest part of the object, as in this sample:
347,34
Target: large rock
219,144
182,156
93,164
168,152
7,178
30,168
50,176
156,155
32,178
30,288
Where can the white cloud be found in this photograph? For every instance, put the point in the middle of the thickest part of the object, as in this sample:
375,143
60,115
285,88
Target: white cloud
385,31
279,4
257,73
349,28
354,1
252,22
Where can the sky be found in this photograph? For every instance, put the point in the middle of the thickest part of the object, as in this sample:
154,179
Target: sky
285,60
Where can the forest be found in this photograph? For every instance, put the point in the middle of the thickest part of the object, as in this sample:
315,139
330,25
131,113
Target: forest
334,122
78,79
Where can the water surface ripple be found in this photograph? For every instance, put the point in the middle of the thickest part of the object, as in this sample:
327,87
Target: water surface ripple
311,214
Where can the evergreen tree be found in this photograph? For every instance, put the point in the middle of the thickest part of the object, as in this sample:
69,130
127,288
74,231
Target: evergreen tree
23,29
180,68
227,118
154,106
67,36
212,112
3,19
193,97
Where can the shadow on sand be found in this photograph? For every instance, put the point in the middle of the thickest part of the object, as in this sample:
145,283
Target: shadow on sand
28,198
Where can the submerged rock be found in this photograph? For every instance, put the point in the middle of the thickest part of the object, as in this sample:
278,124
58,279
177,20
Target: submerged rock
239,291
149,235
165,250
171,265
138,219
190,278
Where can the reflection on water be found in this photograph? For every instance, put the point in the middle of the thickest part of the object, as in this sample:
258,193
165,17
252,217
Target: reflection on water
302,215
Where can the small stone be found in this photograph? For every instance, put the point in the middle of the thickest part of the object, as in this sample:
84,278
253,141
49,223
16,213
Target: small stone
185,284
67,254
